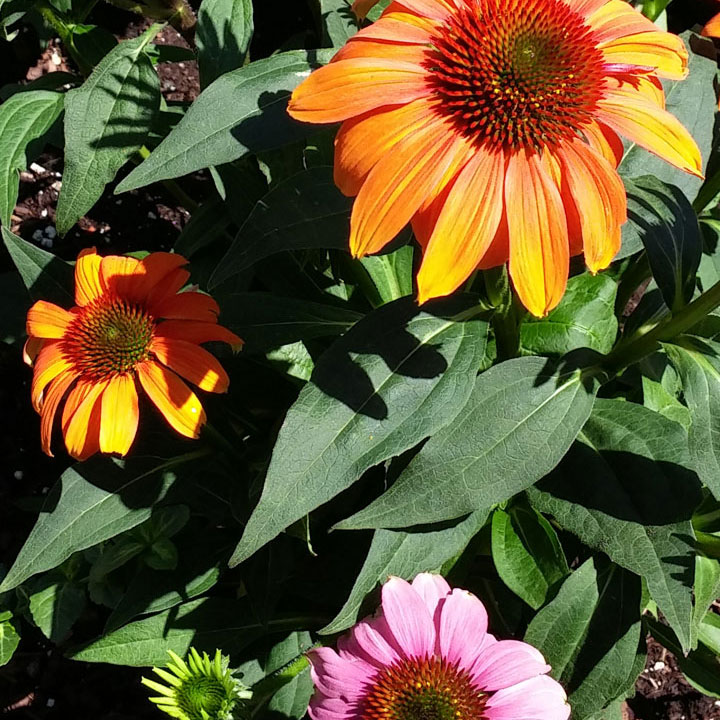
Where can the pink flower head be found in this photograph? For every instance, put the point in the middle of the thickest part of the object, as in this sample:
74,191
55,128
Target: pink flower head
427,655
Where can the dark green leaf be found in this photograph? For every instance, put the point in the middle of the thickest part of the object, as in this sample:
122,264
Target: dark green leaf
398,376
338,22
56,606
635,500
391,273
404,554
206,624
9,640
25,117
92,501
224,31
700,374
692,101
266,321
520,420
527,553
668,228
291,700
305,211
107,120
45,275
242,111
585,318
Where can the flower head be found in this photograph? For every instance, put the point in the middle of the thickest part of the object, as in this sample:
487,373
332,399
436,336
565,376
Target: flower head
428,656
493,126
201,689
130,324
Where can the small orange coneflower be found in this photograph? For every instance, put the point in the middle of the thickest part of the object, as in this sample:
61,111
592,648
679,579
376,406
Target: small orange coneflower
492,125
130,323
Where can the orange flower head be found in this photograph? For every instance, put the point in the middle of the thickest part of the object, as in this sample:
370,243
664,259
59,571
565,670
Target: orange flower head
130,324
493,126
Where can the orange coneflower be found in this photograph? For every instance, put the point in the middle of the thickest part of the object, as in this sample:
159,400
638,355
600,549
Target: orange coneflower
130,324
493,126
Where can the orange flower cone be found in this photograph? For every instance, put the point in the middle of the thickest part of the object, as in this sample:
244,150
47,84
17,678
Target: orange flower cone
130,325
493,127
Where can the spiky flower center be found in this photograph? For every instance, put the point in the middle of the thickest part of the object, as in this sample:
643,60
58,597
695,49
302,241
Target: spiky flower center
516,73
427,689
201,694
109,337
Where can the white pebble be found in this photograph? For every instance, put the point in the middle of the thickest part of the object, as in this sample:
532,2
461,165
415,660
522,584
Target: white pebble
659,665
18,474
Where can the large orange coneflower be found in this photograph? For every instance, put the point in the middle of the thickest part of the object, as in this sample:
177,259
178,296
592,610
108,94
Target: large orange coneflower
130,324
492,125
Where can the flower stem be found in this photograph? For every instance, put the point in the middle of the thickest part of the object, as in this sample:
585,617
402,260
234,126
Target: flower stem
635,349
507,316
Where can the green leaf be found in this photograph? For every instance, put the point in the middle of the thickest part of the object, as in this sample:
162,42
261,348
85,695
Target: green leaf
590,634
692,101
657,398
700,375
9,640
585,318
265,321
46,276
206,624
710,633
92,501
706,591
223,34
291,700
242,111
635,500
527,553
395,378
701,667
404,554
25,117
107,120
668,228
338,22
391,273
302,212
56,606
520,420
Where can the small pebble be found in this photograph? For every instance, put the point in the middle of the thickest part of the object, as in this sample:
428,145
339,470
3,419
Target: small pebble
18,475
659,665
37,168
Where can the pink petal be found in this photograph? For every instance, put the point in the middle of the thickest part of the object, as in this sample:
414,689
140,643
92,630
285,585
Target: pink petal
432,589
323,707
507,663
338,677
463,628
372,641
540,698
408,618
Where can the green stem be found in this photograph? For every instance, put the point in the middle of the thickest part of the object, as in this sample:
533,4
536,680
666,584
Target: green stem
626,354
507,316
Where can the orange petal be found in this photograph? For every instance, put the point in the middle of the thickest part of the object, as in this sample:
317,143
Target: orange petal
605,141
400,183
712,29
663,51
499,251
586,8
192,363
47,320
362,142
652,128
465,227
398,27
53,398
196,332
552,166
153,270
599,196
31,348
347,88
173,398
434,9
49,363
539,253
167,287
616,19
88,286
116,273
82,429
188,305
376,49
119,416
630,86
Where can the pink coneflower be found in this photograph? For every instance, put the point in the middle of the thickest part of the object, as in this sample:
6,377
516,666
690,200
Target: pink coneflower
427,655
